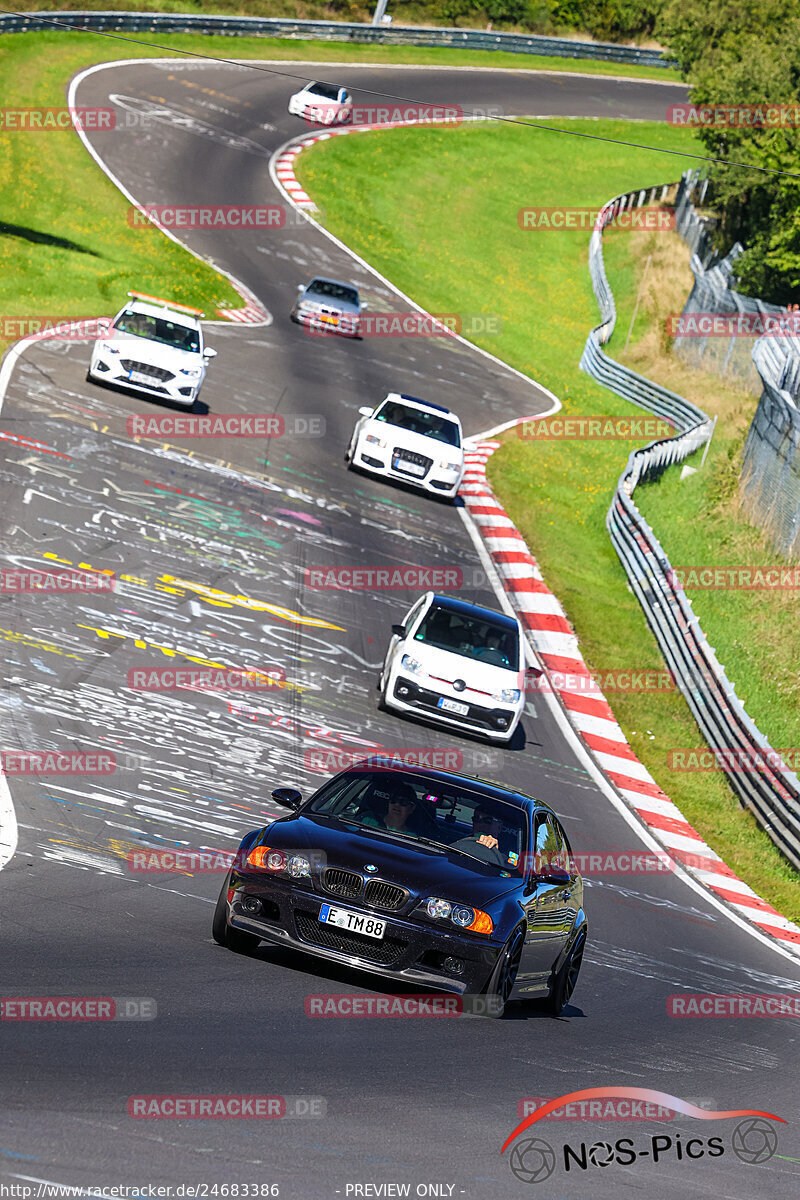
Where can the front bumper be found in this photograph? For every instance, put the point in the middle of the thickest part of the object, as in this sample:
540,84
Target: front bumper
436,483
407,696
180,389
347,326
410,950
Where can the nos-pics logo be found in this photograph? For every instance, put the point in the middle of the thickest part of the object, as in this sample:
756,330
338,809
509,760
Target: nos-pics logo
533,1160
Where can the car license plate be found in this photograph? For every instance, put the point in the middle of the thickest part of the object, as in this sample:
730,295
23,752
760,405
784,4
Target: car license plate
140,377
453,706
351,921
329,320
400,464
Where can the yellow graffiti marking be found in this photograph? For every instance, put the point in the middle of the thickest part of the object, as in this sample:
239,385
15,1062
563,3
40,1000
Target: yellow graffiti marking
209,594
9,635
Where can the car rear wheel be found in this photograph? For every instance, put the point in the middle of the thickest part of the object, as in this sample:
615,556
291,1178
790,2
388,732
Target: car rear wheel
222,933
567,977
503,977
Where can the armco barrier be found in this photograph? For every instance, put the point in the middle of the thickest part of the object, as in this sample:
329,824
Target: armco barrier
337,31
771,794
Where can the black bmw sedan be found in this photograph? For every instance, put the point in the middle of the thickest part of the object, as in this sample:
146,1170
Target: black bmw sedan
425,877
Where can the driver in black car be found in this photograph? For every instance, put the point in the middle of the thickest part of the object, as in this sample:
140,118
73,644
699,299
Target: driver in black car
484,843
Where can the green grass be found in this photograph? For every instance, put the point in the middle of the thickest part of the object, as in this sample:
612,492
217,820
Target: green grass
460,211
410,13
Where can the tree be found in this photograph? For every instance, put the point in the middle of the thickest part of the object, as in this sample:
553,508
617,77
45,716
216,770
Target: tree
740,53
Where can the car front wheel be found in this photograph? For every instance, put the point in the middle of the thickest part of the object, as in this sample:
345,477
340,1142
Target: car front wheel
503,977
222,933
567,977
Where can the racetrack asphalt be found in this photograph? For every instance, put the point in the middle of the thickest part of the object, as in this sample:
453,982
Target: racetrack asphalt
408,1100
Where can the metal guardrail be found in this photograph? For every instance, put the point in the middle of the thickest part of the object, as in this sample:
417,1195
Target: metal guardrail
337,31
753,768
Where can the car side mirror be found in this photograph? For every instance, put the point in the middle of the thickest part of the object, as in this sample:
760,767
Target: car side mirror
364,304
365,412
555,875
288,796
399,630
300,287
209,353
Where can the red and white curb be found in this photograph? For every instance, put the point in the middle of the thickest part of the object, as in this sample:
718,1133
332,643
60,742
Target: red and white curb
251,314
557,647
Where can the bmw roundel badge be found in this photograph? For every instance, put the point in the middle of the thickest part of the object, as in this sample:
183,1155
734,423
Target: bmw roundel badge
371,868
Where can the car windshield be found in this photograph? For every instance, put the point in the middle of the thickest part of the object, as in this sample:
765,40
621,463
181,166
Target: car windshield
414,420
328,90
158,329
451,815
333,291
474,637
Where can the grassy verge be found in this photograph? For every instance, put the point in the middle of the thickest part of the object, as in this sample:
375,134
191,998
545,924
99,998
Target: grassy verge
413,13
462,210
699,520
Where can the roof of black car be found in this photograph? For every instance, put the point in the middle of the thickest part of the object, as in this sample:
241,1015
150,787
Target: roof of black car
467,609
487,787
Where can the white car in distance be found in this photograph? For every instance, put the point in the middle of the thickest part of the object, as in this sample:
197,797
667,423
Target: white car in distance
412,441
154,347
322,104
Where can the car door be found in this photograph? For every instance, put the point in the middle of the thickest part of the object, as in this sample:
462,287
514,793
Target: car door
548,912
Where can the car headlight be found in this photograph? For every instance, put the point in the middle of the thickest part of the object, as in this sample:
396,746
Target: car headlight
446,465
375,441
264,858
507,695
472,919
192,372
298,866
411,664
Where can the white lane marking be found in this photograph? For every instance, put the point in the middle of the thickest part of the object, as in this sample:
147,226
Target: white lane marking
64,1187
240,287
